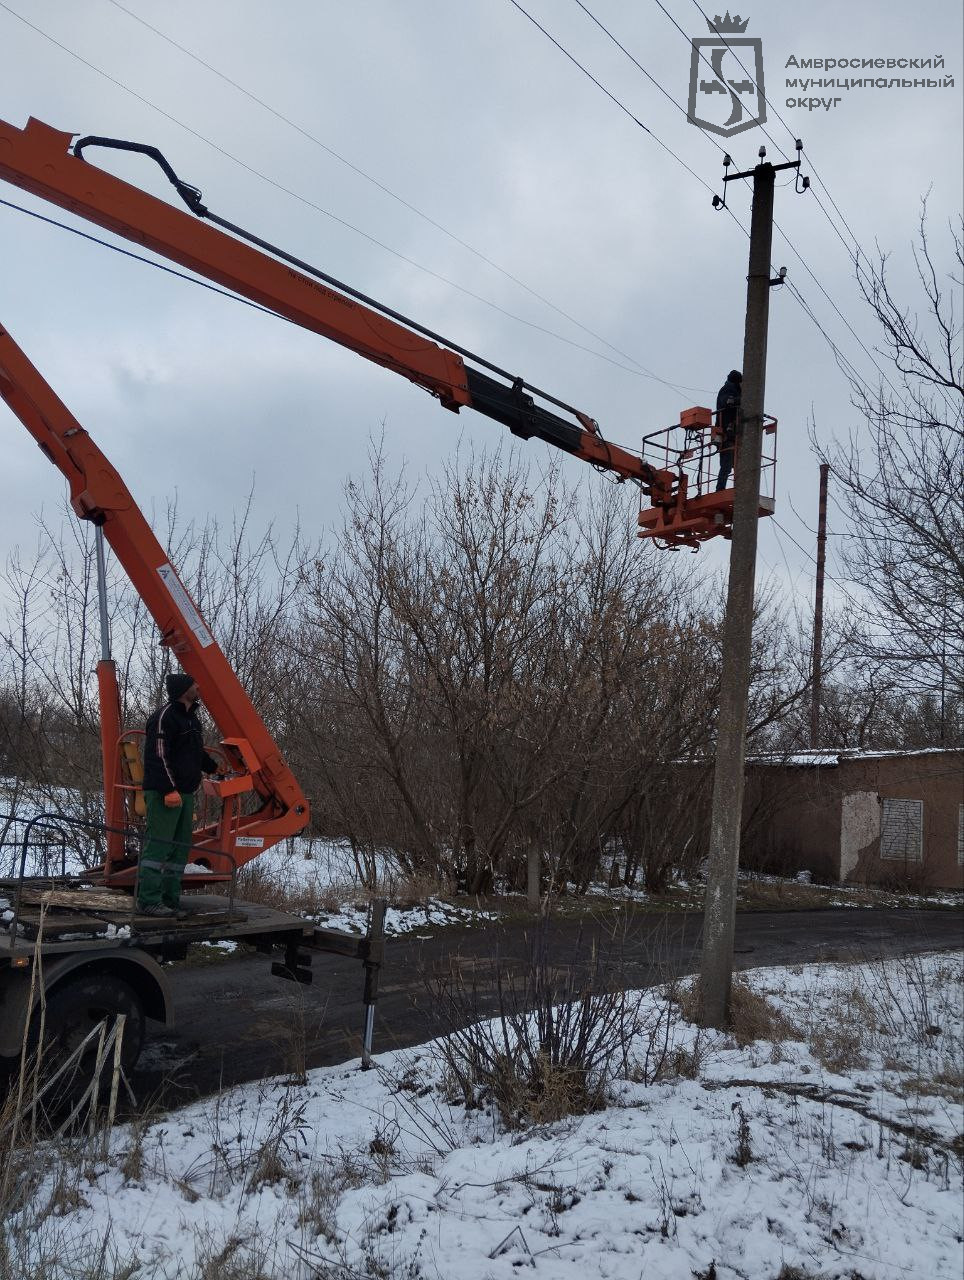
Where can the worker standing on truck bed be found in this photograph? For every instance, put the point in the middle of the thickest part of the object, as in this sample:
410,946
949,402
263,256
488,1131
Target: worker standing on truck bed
174,759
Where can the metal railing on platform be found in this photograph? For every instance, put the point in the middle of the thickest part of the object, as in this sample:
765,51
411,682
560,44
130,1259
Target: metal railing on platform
61,824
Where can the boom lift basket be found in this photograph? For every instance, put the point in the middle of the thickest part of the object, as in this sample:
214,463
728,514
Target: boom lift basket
695,510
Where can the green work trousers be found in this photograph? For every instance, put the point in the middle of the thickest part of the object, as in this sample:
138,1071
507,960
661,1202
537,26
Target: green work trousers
167,843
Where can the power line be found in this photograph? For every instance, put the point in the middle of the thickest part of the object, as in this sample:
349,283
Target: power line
851,371
854,259
387,362
127,253
838,354
833,304
809,554
636,63
852,374
846,366
376,182
703,58
639,371
612,97
853,254
793,248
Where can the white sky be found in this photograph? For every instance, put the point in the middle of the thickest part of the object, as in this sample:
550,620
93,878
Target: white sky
468,112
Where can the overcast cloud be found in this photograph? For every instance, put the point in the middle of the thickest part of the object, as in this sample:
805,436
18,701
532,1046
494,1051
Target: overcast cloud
468,112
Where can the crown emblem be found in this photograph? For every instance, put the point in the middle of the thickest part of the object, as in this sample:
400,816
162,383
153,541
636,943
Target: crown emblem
727,25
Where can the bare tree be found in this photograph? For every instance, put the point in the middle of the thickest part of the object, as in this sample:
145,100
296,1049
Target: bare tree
902,483
499,675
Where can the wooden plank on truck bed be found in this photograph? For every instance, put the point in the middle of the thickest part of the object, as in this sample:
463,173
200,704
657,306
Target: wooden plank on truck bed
57,926
97,900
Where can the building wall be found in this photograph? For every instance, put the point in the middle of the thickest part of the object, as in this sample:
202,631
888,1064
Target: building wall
937,782
792,820
827,818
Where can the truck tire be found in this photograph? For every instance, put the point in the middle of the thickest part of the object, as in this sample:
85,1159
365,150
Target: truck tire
74,1007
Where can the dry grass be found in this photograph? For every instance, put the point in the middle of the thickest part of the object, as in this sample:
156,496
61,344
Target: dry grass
260,885
752,1016
406,892
902,1012
785,894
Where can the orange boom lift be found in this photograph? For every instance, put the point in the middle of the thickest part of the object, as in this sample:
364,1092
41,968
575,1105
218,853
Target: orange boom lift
673,472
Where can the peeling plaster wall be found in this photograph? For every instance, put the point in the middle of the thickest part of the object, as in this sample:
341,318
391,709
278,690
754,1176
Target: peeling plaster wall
859,828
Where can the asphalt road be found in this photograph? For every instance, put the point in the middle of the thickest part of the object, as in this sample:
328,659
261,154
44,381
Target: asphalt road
235,1022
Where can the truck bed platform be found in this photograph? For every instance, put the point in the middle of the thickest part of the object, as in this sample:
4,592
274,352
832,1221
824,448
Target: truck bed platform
73,916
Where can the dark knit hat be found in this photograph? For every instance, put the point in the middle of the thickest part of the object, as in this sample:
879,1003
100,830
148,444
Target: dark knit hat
178,683
734,376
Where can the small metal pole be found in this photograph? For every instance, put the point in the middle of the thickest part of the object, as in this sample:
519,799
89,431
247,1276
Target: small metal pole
366,1060
373,963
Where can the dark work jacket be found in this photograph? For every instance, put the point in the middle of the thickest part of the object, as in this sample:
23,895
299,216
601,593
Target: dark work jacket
174,755
728,408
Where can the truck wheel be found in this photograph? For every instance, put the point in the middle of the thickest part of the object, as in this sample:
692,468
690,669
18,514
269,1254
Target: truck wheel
76,1006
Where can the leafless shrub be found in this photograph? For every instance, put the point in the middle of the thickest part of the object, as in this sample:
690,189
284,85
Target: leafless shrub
495,674
560,1035
903,996
905,1010
684,1061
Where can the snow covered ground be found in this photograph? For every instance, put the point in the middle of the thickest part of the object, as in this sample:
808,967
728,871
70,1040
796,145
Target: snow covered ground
830,1147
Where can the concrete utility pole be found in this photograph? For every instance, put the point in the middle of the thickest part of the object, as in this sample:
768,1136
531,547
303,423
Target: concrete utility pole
816,683
719,913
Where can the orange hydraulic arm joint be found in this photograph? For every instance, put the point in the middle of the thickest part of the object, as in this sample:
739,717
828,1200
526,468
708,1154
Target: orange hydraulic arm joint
98,493
46,162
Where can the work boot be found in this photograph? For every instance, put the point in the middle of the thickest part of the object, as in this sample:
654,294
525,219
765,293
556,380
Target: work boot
158,910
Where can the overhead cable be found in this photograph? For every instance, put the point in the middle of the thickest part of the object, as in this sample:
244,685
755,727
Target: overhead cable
612,97
639,370
376,182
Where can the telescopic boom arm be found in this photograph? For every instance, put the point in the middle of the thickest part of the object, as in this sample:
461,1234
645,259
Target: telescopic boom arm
45,162
48,164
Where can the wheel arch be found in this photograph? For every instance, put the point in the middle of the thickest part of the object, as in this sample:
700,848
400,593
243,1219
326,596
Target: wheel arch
136,968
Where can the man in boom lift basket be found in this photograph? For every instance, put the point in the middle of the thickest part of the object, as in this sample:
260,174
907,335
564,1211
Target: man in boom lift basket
727,418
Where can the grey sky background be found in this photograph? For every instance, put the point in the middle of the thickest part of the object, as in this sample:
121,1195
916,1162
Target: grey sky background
466,111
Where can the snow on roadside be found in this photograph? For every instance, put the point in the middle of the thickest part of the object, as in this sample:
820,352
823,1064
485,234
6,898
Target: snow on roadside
433,913
774,1156
326,869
